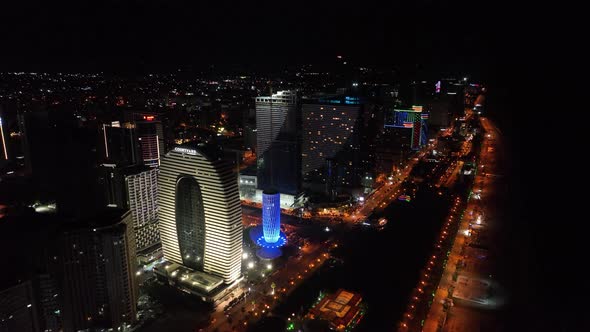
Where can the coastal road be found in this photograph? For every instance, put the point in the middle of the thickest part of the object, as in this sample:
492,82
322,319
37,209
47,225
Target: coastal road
437,315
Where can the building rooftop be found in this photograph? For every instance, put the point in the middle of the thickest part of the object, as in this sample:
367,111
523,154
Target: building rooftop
339,309
250,170
210,151
335,99
199,282
134,169
104,218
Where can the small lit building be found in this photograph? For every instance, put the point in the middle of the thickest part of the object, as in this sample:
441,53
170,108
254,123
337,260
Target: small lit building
208,287
343,310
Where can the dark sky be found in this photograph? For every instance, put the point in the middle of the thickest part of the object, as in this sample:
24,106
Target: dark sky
93,35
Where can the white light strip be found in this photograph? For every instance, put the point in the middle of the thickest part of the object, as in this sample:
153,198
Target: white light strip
106,146
158,148
3,141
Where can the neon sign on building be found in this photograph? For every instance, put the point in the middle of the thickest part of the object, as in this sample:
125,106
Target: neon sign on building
192,152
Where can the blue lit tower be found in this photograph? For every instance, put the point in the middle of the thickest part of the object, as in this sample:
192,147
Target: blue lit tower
269,237
271,215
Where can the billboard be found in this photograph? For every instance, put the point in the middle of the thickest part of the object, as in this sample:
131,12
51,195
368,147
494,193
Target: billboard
413,119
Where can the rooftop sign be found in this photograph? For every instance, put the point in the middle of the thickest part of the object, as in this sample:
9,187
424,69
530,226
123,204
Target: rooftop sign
186,150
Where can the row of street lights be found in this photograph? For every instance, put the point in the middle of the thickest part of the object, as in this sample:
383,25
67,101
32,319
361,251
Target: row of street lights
408,318
417,307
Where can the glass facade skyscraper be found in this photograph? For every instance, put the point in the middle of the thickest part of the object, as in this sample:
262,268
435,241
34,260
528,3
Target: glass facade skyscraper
278,147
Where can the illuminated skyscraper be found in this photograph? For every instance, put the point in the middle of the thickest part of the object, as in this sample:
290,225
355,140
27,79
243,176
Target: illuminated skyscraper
138,139
278,144
336,143
147,134
200,211
121,145
327,129
271,216
142,198
414,119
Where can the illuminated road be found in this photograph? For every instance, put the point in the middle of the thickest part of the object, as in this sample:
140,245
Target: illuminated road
286,280
383,195
464,319
387,193
479,100
452,177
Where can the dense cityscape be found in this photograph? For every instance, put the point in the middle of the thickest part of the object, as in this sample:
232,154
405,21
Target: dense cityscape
365,187
233,189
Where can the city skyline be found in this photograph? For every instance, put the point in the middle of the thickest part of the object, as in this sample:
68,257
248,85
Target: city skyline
249,167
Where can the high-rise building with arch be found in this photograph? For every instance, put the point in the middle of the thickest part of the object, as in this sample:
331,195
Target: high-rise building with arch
200,211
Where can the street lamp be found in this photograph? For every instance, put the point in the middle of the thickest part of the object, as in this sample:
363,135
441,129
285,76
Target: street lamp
246,296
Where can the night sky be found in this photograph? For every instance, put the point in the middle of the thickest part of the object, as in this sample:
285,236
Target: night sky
162,35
